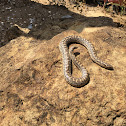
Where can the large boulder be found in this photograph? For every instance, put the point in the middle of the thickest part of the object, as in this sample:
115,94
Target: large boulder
34,92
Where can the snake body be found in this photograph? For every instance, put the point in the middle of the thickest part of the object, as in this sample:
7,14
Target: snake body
67,56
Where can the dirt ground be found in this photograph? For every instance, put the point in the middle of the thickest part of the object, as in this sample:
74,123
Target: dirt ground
33,91
39,16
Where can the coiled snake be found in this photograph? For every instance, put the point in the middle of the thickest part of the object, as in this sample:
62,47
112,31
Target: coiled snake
67,56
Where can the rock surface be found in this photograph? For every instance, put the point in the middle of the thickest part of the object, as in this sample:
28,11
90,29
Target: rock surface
33,91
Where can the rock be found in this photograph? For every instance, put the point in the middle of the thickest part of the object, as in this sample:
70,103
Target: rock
30,26
34,92
65,3
66,17
119,121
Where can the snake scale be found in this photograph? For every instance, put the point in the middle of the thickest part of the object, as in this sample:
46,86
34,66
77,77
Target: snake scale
68,56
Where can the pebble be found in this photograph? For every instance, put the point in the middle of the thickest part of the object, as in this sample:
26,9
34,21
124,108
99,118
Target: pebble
30,26
8,8
66,17
49,12
2,23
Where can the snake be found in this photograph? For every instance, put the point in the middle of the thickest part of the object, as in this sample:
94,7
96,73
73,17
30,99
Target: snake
68,57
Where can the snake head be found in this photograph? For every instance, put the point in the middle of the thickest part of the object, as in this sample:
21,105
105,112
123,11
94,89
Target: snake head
109,67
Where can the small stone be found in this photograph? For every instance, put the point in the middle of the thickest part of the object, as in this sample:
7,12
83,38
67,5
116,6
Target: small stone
66,17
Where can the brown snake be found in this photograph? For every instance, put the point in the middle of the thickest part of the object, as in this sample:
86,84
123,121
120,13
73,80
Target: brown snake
67,56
